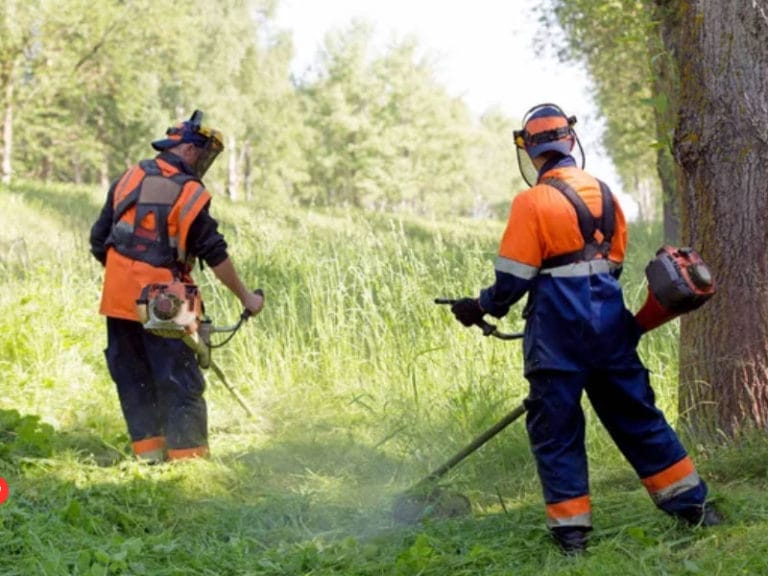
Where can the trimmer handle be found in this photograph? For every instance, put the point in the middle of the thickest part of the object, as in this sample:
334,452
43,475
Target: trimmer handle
487,328
247,313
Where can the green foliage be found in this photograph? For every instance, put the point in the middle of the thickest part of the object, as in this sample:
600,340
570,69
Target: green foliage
362,386
613,38
387,136
86,86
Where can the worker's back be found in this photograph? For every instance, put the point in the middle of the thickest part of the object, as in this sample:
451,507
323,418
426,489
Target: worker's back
576,317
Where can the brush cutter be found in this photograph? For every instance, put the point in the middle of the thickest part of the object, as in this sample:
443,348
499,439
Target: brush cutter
426,499
174,310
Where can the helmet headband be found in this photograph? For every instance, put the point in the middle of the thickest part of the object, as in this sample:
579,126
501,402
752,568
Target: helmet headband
546,128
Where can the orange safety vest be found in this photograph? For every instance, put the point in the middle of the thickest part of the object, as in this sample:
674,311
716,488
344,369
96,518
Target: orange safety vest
154,206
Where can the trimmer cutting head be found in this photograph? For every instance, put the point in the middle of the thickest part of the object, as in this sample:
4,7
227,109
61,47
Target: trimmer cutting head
418,505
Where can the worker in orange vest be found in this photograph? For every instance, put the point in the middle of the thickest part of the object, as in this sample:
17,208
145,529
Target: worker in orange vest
154,224
564,246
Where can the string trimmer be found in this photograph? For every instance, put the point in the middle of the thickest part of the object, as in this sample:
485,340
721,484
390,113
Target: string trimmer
426,499
175,310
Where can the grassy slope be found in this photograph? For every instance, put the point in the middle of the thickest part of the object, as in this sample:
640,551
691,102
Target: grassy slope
361,385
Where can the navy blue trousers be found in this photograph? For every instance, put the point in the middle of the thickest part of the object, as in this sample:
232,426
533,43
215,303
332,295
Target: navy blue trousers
625,403
160,387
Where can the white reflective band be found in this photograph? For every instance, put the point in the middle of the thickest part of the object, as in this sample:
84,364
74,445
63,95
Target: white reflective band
690,481
524,271
157,455
584,520
582,268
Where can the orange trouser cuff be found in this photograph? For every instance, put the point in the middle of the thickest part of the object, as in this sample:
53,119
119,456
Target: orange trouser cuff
149,447
182,453
670,475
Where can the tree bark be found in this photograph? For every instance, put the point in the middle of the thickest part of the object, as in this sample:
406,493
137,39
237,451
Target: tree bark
233,177
721,146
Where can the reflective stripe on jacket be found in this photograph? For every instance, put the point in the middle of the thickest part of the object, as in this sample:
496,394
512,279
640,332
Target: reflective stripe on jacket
124,277
576,318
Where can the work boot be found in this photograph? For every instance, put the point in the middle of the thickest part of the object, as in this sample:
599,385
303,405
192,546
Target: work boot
705,515
572,540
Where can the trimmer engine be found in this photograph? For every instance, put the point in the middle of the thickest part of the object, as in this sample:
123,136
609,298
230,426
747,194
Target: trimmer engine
170,310
679,281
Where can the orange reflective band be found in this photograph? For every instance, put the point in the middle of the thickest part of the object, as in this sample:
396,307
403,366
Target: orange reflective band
545,124
183,453
148,445
669,476
569,508
128,182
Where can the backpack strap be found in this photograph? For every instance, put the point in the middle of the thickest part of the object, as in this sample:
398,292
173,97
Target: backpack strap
153,195
588,225
150,169
608,224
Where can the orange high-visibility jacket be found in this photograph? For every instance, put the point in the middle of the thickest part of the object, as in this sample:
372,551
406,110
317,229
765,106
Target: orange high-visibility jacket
125,276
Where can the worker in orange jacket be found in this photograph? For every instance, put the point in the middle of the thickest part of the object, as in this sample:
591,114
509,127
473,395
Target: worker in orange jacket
564,246
154,224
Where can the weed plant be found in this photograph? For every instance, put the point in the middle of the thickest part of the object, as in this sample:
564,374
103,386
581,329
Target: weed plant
361,384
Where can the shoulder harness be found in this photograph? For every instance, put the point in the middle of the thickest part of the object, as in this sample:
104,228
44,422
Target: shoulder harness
154,195
588,225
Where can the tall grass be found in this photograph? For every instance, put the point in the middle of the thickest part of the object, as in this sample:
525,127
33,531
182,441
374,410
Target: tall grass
361,386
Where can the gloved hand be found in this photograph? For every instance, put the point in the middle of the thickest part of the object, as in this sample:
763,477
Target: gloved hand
468,312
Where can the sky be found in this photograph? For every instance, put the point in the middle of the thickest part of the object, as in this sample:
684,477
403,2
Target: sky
483,51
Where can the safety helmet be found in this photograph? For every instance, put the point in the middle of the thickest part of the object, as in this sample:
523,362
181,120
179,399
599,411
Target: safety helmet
546,128
209,141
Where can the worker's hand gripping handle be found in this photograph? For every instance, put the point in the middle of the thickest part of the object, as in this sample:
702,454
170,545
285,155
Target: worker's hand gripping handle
487,328
247,313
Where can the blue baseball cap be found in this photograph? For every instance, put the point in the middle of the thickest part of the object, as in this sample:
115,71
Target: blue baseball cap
186,131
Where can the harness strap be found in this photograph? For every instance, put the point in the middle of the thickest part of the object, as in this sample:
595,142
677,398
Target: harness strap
588,225
153,195
608,224
150,168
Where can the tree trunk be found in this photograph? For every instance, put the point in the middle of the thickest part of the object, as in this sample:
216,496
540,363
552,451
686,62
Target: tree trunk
7,165
77,169
665,90
670,198
721,145
247,176
233,180
646,198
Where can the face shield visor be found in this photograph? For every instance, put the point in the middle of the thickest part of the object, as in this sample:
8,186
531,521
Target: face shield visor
546,130
208,143
208,152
